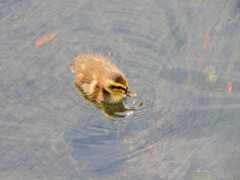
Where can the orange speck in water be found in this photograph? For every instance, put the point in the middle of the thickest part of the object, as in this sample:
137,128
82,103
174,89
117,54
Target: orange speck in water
44,39
229,87
150,146
160,123
200,61
206,39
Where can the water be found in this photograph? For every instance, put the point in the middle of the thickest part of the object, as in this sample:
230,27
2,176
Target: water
179,58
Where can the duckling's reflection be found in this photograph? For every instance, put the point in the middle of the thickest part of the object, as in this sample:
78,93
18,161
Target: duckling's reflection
110,110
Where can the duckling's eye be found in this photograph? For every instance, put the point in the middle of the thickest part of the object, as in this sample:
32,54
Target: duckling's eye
117,87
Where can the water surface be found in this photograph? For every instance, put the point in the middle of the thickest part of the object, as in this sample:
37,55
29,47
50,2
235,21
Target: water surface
180,57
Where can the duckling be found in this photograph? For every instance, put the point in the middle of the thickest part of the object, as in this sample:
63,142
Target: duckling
100,80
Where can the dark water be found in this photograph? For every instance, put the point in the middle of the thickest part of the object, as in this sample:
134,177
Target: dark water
179,56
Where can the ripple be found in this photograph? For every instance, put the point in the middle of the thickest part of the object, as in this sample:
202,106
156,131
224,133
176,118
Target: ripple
138,107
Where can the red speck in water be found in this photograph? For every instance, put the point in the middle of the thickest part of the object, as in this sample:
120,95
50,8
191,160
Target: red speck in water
150,146
200,61
206,39
229,87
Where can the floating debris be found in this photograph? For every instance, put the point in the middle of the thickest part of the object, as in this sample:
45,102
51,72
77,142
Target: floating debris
46,38
150,148
200,61
160,123
211,71
229,87
206,37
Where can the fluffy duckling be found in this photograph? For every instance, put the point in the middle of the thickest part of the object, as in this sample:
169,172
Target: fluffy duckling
100,80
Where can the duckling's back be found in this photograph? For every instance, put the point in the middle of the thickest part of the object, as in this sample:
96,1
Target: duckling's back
90,73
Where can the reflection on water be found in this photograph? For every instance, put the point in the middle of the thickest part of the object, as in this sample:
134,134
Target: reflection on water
111,110
181,57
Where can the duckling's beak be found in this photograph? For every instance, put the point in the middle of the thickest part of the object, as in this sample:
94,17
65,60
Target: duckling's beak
131,94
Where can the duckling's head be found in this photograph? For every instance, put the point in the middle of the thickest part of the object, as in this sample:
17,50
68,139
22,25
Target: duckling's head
116,85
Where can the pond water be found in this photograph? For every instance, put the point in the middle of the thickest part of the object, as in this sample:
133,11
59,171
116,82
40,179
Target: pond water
183,60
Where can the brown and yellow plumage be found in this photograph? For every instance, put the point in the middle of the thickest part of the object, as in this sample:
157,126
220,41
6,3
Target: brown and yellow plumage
99,79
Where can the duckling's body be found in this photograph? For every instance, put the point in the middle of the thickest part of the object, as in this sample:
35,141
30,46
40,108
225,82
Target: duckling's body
99,79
